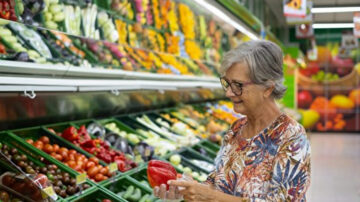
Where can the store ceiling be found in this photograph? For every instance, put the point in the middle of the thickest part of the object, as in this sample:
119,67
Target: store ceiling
334,17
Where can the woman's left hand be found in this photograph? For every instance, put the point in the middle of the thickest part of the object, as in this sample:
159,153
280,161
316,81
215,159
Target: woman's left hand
194,191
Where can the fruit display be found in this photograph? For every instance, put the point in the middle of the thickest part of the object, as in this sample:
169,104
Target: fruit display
159,29
204,122
97,147
63,183
73,159
327,91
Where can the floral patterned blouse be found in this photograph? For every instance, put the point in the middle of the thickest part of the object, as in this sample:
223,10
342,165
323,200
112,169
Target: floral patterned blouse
271,166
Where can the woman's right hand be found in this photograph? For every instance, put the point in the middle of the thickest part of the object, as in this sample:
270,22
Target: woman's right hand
171,194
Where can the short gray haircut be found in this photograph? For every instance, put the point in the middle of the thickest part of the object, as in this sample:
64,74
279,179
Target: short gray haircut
264,60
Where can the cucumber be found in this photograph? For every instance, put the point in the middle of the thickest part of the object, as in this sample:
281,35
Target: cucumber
128,192
10,39
5,32
33,54
136,195
17,47
151,198
143,198
121,193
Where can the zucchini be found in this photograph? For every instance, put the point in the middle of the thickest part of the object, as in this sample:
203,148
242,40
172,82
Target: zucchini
128,192
144,198
136,195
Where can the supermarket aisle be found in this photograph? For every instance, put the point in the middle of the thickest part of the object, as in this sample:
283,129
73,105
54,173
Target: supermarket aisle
335,168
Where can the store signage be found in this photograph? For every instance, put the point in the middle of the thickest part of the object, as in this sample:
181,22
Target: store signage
296,8
304,31
293,20
357,24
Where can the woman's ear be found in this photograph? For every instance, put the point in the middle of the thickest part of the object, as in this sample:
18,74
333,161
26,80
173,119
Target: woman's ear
269,89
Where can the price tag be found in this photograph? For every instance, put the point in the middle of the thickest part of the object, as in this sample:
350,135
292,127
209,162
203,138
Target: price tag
81,178
113,167
49,192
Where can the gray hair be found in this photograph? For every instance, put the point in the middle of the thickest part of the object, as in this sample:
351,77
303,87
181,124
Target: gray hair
265,62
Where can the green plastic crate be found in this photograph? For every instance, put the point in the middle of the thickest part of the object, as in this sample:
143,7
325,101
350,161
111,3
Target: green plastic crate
97,195
185,156
120,185
89,121
121,126
209,145
36,132
34,156
211,154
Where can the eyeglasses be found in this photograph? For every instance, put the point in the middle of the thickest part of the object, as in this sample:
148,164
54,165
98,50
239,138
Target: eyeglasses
236,87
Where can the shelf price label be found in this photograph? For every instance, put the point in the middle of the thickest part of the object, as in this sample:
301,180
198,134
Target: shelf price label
49,192
113,167
80,179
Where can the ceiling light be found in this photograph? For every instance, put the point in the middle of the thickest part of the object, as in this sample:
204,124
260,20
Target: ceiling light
332,25
227,19
335,9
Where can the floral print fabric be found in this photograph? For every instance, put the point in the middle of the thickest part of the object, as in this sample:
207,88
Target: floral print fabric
272,166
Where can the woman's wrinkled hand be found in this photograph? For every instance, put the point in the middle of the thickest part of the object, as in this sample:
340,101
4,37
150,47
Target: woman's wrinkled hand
193,191
172,194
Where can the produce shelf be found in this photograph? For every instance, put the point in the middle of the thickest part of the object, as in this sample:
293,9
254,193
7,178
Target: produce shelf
122,188
35,156
82,72
36,132
97,195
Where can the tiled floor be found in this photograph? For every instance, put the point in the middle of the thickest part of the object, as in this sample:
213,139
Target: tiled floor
335,168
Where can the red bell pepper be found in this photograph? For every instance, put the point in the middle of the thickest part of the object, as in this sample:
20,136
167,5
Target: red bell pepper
70,134
160,172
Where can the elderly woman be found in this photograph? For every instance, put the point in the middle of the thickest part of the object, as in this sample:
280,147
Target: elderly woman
265,156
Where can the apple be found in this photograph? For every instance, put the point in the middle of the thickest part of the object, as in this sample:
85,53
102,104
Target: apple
304,99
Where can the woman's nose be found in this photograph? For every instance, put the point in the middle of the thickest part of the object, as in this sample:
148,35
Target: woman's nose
229,93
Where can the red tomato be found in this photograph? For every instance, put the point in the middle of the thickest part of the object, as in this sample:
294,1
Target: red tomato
38,144
45,139
58,157
64,154
48,148
104,171
93,171
72,151
56,147
71,163
89,164
30,141
94,159
99,177
70,157
63,149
